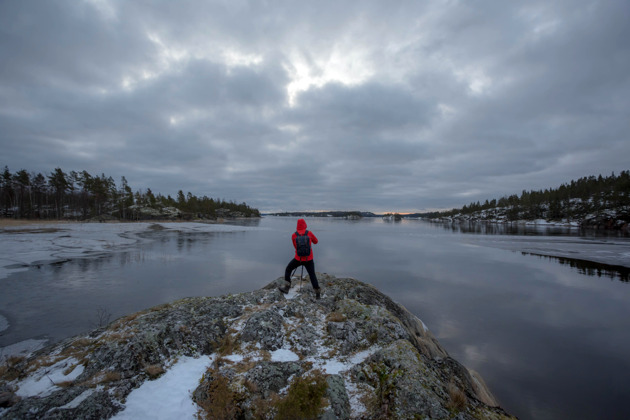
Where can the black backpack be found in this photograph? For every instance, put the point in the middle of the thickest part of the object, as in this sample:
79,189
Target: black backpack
303,244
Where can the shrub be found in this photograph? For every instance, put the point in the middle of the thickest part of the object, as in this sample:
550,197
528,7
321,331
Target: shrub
218,400
305,397
11,368
227,345
457,399
383,379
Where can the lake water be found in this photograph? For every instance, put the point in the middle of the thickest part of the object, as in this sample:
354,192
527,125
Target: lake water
547,328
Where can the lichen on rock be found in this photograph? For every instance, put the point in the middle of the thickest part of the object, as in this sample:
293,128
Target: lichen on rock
355,353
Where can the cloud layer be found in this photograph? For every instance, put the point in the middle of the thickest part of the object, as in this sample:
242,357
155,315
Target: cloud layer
320,105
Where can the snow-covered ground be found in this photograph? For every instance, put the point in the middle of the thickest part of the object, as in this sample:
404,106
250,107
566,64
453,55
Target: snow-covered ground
169,396
43,382
543,222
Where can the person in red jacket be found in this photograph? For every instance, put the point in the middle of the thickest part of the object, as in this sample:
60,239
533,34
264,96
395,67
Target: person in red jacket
302,241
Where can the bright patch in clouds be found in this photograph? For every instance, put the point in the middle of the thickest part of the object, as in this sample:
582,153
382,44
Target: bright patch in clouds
233,58
476,80
347,66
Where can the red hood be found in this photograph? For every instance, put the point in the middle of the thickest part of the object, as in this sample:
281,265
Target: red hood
301,226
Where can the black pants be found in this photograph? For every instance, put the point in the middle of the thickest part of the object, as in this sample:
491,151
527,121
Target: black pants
310,269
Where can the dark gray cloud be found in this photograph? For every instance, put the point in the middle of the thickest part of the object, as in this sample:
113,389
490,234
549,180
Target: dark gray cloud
326,105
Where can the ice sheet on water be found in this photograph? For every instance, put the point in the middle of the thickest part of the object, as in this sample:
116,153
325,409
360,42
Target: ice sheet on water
23,348
206,227
615,251
22,247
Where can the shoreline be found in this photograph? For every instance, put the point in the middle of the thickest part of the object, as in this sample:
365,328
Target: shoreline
7,222
16,223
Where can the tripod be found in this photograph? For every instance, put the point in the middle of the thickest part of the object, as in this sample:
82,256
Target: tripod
301,276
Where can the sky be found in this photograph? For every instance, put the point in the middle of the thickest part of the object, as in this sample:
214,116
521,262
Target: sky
328,105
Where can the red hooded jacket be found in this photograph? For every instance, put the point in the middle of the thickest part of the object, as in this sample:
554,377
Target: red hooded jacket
301,228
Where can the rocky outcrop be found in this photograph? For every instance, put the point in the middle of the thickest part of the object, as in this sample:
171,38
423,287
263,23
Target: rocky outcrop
614,221
149,213
354,353
223,213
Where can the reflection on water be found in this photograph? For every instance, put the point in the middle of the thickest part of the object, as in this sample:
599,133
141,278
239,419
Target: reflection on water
488,228
590,268
551,342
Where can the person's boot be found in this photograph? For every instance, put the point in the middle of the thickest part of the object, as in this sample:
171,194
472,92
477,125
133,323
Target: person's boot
285,287
318,293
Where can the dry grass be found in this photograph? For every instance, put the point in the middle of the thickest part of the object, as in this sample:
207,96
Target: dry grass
250,309
331,353
457,399
219,401
250,386
69,370
65,384
101,379
10,368
383,379
119,337
43,361
305,397
265,355
154,371
335,317
82,342
245,366
227,345
78,348
161,307
108,377
132,317
263,409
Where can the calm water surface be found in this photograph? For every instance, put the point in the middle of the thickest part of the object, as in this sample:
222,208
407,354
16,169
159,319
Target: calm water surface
549,333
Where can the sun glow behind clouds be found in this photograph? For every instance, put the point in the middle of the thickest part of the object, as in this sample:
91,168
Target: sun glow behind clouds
347,66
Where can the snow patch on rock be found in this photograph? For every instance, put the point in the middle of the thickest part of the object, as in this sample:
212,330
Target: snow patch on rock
46,380
168,397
